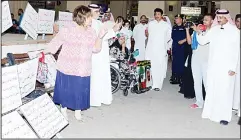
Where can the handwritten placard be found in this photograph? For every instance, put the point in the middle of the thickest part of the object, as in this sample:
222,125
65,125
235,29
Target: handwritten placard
52,69
6,16
45,21
27,73
34,54
44,116
64,18
29,22
14,126
11,97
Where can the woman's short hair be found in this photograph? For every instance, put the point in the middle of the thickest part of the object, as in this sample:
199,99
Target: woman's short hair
80,14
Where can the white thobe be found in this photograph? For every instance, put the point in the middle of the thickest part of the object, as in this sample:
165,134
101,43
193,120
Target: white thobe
224,54
199,71
236,99
156,50
140,40
100,87
128,35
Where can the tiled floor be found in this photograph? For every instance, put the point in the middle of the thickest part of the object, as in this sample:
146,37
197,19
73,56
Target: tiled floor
164,114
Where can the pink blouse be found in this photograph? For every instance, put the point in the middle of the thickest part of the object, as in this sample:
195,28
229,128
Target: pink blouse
77,48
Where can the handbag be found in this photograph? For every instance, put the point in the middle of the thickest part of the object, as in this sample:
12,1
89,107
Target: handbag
42,70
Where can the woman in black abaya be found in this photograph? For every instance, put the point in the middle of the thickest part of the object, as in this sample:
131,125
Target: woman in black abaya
187,83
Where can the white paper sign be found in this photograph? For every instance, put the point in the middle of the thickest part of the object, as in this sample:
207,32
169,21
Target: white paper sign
29,22
191,10
33,54
13,126
44,116
52,69
11,97
64,18
27,73
45,21
6,16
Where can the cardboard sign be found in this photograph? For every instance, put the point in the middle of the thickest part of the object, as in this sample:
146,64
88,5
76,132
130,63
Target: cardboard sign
52,69
45,21
64,19
29,22
11,97
6,16
14,126
27,73
44,116
144,71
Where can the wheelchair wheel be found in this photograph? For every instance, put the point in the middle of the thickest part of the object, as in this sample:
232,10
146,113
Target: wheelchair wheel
115,79
125,92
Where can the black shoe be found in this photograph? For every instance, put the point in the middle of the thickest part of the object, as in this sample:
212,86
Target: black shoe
172,78
223,122
175,81
182,92
156,89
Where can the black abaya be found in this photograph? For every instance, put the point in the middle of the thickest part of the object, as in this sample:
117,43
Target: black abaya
187,86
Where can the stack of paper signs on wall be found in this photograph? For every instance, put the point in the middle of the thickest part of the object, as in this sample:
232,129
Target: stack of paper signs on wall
43,119
144,71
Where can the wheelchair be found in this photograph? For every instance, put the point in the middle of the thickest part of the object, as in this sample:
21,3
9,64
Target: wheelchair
124,77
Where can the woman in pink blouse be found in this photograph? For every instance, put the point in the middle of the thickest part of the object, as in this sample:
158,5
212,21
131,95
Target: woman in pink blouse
72,86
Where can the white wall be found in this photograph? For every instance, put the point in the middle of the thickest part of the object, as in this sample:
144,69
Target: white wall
147,8
232,6
176,9
118,8
71,5
15,5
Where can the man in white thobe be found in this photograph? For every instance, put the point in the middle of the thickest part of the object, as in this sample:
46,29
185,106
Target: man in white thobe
159,33
200,63
236,99
169,43
100,87
236,102
224,51
140,38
